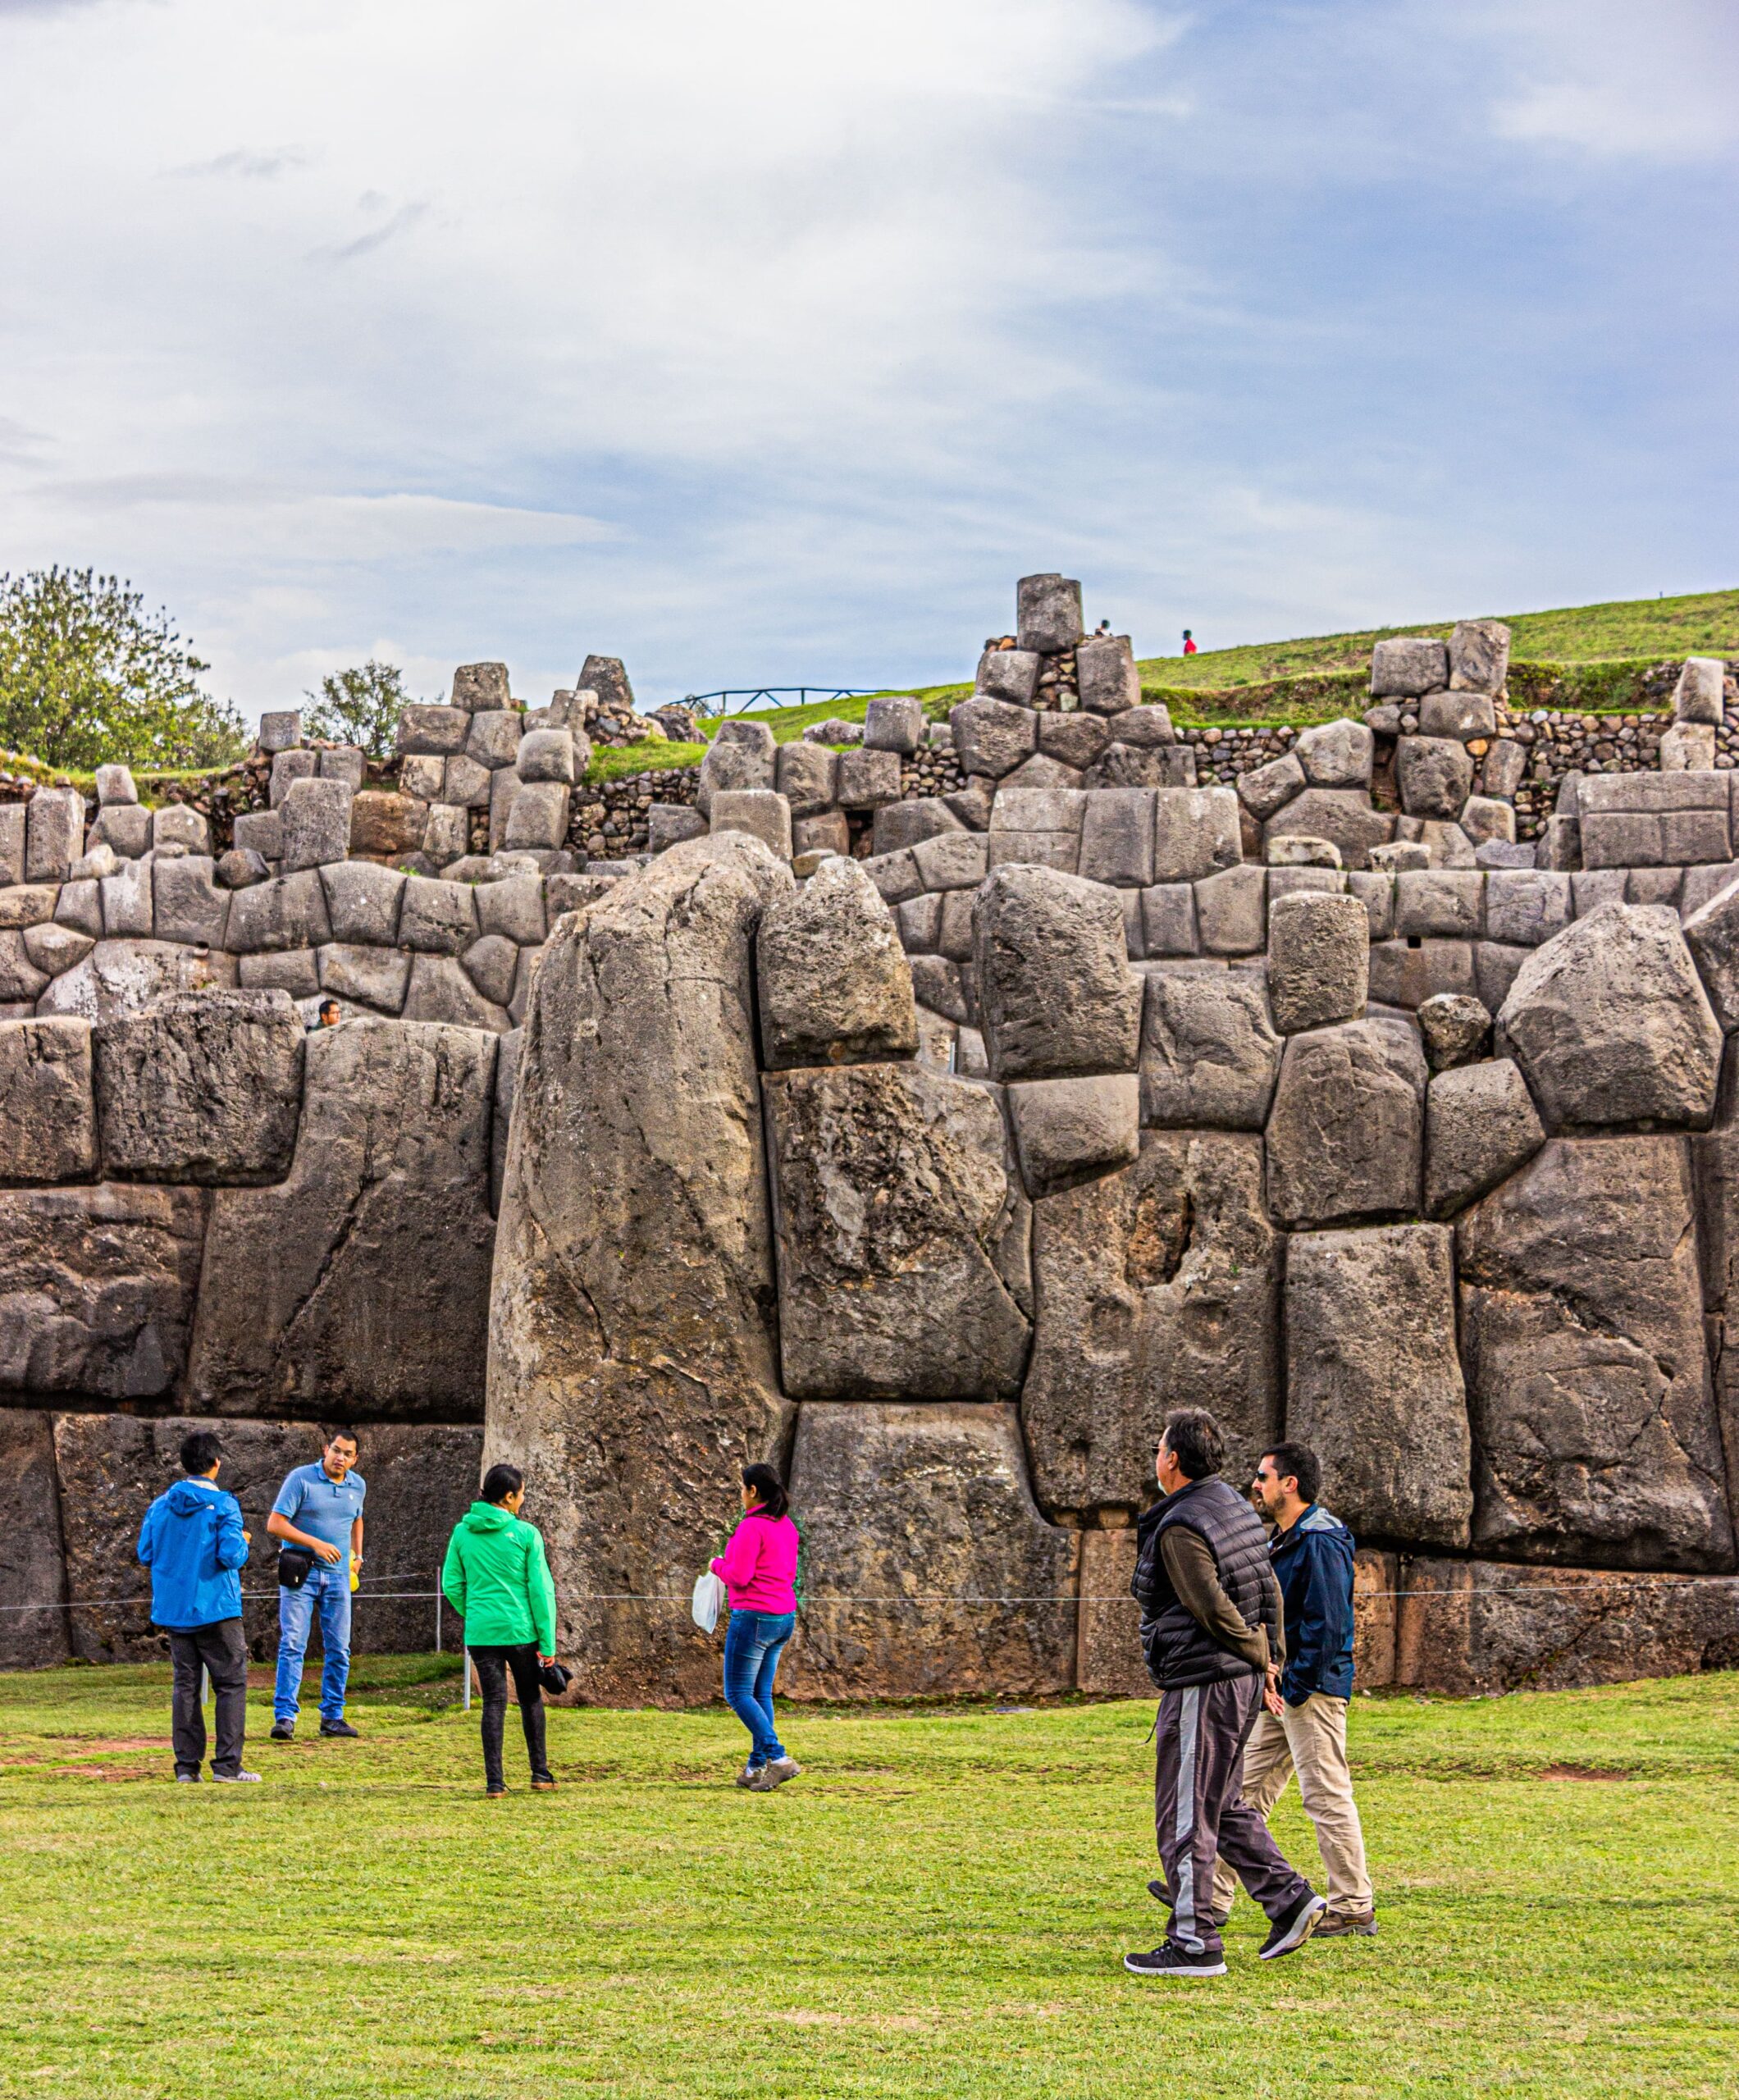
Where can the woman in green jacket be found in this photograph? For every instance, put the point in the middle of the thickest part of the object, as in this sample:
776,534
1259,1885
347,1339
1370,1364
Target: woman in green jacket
496,1578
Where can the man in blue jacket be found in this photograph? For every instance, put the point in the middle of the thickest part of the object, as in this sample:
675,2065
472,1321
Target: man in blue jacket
1311,1554
193,1542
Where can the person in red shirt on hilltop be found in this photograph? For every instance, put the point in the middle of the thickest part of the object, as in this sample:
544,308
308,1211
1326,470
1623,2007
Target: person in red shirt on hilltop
1189,647
759,1570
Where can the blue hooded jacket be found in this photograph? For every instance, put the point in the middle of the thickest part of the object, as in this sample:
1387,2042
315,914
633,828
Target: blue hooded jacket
192,1541
1314,1565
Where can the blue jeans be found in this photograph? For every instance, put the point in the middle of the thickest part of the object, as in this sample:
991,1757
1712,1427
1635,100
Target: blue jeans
326,1590
753,1641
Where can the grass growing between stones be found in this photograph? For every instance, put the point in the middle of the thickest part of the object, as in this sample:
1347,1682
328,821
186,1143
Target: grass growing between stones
940,1906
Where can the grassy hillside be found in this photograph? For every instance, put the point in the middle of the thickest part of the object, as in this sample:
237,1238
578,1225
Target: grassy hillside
1705,624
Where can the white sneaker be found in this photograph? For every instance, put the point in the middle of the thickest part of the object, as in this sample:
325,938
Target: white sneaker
236,1778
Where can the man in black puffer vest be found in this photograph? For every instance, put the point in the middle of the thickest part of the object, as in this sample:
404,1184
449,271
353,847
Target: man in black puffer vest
1211,1630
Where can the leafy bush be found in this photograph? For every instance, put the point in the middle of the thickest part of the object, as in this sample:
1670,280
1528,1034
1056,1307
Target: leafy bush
360,706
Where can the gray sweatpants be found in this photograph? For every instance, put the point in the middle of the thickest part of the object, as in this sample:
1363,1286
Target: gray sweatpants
1200,1814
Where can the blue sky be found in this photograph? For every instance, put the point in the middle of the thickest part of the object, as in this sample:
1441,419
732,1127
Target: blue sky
772,343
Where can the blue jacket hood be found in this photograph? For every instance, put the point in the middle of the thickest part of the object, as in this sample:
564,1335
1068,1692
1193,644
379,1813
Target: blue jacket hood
192,1541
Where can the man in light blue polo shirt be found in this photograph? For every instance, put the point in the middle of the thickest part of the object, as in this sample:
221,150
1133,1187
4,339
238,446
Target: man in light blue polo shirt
319,1508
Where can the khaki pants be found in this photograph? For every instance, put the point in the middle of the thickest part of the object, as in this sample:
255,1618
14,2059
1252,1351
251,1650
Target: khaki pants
1311,1741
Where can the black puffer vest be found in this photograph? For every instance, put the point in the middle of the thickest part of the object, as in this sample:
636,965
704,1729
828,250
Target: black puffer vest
1178,1652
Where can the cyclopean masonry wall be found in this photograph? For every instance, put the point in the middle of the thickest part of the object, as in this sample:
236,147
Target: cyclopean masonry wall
937,1151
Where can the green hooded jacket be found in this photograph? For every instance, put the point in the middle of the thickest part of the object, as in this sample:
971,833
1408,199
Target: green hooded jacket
496,1578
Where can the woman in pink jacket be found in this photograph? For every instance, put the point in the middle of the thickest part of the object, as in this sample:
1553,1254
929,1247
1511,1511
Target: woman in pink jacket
759,1570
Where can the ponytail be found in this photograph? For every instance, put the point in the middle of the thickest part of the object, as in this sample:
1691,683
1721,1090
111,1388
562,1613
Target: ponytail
769,1489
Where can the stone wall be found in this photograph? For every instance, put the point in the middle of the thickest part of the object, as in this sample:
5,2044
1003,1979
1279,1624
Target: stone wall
972,1094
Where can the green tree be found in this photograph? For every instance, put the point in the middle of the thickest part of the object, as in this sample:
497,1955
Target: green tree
362,706
88,677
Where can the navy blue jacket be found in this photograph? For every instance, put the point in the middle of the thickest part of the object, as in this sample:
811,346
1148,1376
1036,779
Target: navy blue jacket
1314,1565
192,1541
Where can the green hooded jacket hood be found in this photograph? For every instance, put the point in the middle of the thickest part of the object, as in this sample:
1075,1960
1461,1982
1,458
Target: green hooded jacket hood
496,1578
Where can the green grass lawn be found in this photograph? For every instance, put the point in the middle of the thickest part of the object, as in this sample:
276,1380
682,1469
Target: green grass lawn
940,1906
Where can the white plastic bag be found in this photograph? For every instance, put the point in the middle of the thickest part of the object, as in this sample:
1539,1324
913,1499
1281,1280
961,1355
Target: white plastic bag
708,1601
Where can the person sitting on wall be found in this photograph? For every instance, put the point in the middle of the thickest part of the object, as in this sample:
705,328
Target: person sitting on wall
1312,1553
318,1520
1211,1630
193,1542
496,1578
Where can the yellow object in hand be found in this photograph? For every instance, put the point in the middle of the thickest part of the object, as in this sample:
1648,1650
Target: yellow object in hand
356,1571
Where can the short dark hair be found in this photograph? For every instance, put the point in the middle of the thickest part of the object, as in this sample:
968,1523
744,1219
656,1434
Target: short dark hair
1196,1442
201,1448
331,1431
1302,1463
501,1481
325,1003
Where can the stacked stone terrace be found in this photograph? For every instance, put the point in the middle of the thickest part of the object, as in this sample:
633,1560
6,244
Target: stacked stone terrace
937,1144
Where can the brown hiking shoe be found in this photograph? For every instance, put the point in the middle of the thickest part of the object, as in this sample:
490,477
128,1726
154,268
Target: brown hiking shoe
1364,1923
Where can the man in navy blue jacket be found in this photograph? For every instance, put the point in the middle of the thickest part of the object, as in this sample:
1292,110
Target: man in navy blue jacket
1311,1554
193,1542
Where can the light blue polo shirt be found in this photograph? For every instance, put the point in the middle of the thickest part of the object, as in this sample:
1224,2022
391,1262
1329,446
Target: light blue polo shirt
324,1508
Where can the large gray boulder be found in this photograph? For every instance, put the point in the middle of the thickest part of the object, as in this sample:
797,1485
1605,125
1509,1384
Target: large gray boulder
1481,1125
189,906
47,1122
1158,1287
1196,833
992,737
316,816
362,901
1056,991
1407,666
1582,1335
633,1333
926,1503
1336,754
748,758
1373,1383
1319,960
1712,935
834,985
202,1086
1048,613
97,1288
901,1234
1106,675
1266,790
1611,1026
1343,815
1011,674
274,917
32,1572
1344,1132
375,1298
1210,1055
1068,1131
1435,775
1479,656
1697,697
123,977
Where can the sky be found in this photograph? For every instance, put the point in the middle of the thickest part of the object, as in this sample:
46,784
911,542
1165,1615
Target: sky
771,343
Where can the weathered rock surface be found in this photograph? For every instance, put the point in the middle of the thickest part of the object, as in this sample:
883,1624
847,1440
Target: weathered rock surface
1455,1028
1435,775
1469,1628
201,1086
374,1302
1407,666
1481,1125
633,1343
1611,1025
1373,1384
1068,1131
97,1288
1582,1335
1343,815
1319,960
47,1122
929,1502
32,1574
1209,1056
834,985
124,977
1055,987
1158,1287
992,737
902,1232
1344,1132
1336,754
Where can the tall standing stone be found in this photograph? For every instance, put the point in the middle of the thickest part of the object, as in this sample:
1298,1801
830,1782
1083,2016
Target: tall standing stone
632,1342
1056,991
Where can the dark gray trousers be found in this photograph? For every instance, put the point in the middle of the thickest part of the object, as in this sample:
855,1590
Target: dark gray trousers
221,1651
1200,1814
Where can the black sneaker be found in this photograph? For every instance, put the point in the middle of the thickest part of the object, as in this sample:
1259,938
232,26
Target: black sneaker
1291,1931
283,1732
1169,1960
336,1728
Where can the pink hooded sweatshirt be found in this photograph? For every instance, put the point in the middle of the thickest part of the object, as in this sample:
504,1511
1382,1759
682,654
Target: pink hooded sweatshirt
759,1565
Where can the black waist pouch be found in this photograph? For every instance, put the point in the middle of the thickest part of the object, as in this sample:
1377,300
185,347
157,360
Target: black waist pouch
293,1563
